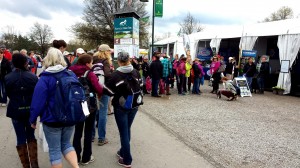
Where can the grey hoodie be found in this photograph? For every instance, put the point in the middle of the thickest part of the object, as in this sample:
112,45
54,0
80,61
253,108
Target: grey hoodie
125,69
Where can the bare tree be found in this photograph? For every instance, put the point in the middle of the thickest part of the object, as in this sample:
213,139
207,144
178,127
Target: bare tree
42,35
8,36
99,21
283,13
190,25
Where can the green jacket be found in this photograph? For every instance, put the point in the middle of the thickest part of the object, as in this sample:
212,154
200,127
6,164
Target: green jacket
188,68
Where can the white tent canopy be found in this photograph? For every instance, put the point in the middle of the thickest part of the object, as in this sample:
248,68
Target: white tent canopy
289,46
288,32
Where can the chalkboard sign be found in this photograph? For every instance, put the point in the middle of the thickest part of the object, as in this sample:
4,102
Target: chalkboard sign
241,82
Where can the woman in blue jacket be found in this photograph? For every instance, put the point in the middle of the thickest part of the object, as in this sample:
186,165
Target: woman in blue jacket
19,86
57,134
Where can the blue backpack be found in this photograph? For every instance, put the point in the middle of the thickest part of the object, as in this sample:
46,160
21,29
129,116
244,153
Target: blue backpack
69,96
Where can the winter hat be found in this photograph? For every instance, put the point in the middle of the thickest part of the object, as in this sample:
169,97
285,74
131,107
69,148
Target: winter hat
123,56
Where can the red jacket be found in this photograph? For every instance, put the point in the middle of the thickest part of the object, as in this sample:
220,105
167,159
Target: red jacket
33,70
79,70
7,55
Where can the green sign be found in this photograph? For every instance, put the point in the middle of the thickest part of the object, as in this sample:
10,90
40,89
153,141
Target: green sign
123,24
158,8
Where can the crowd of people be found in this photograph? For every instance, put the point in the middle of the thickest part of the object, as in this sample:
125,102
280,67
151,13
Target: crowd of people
32,97
189,74
110,91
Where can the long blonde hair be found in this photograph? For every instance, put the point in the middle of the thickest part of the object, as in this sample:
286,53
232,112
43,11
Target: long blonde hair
54,57
103,55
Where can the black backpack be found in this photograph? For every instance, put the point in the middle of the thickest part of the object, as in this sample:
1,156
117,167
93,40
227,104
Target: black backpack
89,92
130,87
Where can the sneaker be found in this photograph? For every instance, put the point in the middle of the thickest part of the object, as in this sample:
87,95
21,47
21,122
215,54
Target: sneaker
102,142
121,163
119,155
88,162
3,105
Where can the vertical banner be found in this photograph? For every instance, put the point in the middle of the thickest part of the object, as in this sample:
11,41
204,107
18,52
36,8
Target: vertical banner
158,8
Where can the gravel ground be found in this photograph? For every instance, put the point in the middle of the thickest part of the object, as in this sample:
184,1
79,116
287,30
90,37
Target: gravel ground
258,131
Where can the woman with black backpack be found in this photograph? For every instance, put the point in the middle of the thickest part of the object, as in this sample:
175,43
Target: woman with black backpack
125,85
89,80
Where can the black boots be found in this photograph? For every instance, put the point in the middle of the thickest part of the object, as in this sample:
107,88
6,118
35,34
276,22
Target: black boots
30,153
32,148
23,154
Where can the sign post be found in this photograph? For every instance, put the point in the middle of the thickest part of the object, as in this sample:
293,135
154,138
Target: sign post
126,33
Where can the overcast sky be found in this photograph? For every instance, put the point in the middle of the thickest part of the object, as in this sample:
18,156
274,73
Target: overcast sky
61,14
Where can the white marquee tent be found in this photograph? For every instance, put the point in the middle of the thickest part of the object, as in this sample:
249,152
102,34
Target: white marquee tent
288,32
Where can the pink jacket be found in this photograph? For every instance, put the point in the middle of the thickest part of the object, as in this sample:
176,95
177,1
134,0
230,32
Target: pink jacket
214,67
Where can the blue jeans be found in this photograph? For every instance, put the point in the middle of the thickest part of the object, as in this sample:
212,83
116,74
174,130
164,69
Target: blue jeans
196,85
261,83
155,83
249,81
58,140
124,119
23,130
3,96
86,127
102,117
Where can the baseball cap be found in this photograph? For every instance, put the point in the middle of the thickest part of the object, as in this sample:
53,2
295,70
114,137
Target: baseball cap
230,58
123,56
66,53
80,51
104,47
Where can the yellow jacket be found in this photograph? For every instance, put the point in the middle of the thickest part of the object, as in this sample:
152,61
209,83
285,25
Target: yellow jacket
188,68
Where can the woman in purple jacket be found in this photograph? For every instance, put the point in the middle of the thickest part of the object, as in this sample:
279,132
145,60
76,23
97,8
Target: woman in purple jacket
57,134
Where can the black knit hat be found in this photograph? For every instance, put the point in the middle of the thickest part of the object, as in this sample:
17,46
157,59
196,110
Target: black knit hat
19,61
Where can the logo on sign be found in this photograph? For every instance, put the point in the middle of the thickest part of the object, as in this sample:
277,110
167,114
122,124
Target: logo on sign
204,52
123,23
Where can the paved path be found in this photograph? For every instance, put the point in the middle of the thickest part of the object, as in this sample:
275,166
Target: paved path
152,147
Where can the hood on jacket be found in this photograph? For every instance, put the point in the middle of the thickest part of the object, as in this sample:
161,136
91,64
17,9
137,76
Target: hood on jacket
125,69
55,69
79,70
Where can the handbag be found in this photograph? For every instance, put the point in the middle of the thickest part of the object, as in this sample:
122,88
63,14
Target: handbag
42,139
161,87
148,84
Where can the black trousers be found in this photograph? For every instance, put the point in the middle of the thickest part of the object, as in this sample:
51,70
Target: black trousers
215,84
86,126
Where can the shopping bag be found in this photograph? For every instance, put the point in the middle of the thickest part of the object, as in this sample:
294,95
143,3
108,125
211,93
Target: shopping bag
42,139
210,82
148,84
39,65
161,87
